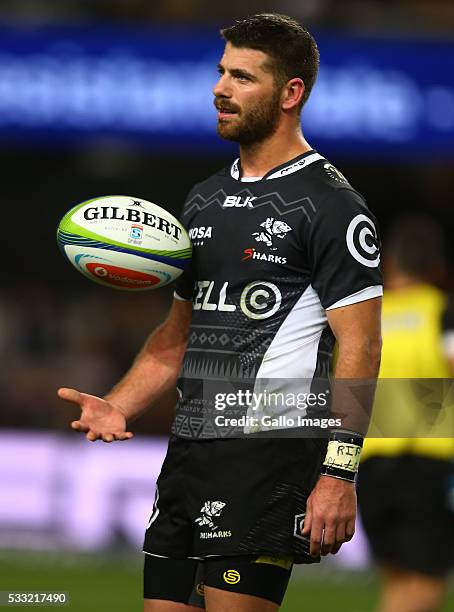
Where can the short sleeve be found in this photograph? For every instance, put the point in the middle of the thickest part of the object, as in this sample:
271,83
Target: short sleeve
184,285
344,250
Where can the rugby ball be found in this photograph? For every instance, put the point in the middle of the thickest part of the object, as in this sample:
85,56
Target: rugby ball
124,243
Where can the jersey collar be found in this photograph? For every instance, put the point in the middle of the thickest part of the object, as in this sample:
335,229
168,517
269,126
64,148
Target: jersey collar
294,165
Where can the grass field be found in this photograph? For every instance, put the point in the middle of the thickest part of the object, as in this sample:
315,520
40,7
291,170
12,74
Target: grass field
113,583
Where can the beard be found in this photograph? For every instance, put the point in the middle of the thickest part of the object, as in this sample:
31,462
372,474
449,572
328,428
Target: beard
252,124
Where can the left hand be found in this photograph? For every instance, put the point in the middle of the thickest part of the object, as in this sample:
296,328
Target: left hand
330,515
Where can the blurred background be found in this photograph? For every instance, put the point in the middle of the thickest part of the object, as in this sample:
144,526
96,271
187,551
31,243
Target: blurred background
114,97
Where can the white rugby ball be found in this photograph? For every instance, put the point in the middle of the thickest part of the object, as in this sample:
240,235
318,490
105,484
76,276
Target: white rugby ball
124,242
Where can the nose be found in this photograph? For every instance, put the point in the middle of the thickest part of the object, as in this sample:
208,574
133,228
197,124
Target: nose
221,89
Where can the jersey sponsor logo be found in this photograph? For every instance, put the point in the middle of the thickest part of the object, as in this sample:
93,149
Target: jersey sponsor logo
259,299
201,232
335,174
209,511
238,202
271,229
362,241
254,254
198,235
231,576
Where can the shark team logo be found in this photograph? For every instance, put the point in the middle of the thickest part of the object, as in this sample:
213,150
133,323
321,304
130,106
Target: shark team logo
271,229
209,511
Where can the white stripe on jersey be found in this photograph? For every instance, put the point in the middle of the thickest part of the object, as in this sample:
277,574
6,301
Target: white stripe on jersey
291,355
360,296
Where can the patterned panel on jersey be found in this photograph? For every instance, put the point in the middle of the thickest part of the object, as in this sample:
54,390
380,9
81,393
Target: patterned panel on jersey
272,200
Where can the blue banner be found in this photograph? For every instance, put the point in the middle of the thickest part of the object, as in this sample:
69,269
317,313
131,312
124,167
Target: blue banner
387,98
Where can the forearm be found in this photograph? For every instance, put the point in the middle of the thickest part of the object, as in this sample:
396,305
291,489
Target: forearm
354,382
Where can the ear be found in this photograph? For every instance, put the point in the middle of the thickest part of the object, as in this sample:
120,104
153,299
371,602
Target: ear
292,93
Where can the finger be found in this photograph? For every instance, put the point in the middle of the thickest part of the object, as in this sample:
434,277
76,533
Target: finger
79,427
108,437
92,436
70,395
316,537
350,530
127,435
340,538
329,536
307,522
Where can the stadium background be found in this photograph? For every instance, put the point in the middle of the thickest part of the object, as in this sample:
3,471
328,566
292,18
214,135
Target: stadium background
115,97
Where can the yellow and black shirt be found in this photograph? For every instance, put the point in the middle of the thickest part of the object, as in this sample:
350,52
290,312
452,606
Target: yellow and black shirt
418,333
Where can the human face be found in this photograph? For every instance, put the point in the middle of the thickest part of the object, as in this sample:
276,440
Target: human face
246,96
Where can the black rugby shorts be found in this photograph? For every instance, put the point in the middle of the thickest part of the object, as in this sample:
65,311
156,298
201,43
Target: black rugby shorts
406,512
234,497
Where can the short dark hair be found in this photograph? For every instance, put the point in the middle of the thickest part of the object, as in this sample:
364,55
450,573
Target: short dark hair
291,47
417,244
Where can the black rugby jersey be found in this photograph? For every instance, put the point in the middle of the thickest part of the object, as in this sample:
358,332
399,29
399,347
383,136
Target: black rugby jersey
270,256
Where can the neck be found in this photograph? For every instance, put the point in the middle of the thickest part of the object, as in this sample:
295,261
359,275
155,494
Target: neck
283,145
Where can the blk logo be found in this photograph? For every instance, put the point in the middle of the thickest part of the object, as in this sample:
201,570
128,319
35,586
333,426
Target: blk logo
238,202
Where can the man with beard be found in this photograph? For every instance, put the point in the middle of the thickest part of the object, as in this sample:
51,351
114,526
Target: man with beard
287,264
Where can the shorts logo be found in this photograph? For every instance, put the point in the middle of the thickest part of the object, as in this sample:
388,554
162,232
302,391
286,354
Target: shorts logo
200,589
271,229
298,527
231,576
209,510
362,241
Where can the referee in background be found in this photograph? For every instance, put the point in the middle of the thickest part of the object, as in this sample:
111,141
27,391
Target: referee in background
405,482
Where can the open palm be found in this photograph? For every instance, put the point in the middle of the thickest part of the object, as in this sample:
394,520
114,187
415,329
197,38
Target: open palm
99,419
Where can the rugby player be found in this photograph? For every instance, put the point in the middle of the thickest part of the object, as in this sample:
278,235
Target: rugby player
411,527
286,260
